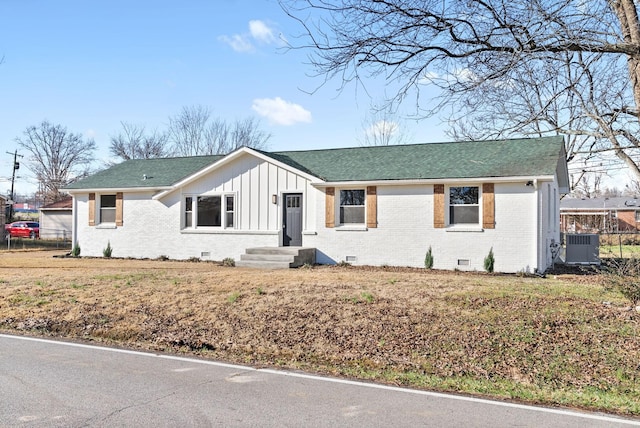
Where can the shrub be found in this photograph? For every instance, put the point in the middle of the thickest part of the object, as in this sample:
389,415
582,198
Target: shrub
229,262
624,276
108,250
75,251
489,261
428,259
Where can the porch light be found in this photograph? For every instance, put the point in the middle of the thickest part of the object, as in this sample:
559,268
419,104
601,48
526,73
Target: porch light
274,199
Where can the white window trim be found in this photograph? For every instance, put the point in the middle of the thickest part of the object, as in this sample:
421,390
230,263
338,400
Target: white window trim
463,227
350,226
194,211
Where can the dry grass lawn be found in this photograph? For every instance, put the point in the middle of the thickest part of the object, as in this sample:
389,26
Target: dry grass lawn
561,340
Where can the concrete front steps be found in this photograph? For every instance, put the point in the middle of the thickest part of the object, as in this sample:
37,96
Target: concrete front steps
277,257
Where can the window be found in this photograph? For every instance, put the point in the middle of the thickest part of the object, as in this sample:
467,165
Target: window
188,212
209,211
352,206
464,207
229,211
107,208
637,216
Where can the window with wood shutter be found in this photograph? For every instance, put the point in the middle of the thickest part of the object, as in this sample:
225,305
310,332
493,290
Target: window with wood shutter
460,205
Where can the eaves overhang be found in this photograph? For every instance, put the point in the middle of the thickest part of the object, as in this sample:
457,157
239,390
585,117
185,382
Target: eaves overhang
116,189
423,181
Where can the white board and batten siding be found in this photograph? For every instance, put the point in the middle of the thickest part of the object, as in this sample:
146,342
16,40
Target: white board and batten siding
254,182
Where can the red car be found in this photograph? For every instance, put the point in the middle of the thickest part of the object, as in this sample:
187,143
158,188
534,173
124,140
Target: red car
23,229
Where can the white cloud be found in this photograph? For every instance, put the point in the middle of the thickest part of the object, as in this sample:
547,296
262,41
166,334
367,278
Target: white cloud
259,32
281,112
90,133
238,43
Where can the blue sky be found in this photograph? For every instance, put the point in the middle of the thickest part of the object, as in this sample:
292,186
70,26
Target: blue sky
90,65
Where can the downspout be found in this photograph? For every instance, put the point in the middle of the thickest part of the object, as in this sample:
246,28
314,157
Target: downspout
536,221
74,225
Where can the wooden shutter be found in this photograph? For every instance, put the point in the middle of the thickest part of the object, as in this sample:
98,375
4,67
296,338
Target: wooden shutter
372,207
438,206
488,206
92,209
119,209
329,207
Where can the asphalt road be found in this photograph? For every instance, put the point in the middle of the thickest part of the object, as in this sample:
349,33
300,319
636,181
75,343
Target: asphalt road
57,384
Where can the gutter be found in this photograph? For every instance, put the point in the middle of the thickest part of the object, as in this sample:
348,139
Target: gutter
116,189
401,182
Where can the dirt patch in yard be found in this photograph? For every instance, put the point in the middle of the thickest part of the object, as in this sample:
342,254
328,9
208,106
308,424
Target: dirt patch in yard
556,340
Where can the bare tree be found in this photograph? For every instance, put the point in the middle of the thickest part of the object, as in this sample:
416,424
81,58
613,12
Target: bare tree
195,132
383,128
133,142
519,67
56,157
188,131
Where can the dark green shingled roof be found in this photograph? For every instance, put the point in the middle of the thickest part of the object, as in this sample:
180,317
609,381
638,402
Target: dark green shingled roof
159,172
502,158
475,159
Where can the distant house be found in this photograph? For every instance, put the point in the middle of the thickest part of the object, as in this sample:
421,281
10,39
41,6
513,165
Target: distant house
600,215
56,219
366,205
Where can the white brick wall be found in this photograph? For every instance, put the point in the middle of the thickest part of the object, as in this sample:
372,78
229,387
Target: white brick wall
405,231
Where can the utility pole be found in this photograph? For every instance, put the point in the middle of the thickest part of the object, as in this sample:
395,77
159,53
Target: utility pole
16,166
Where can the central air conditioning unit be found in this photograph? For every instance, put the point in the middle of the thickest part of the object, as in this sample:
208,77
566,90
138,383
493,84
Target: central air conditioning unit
582,249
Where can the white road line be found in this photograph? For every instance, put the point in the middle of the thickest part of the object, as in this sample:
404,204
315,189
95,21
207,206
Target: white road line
597,417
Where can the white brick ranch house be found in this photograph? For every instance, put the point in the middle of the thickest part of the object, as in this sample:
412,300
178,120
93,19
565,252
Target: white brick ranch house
366,205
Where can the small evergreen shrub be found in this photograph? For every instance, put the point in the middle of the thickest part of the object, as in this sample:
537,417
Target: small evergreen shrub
489,261
229,262
75,251
428,259
108,250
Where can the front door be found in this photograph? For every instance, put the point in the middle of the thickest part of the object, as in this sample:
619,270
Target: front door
292,216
